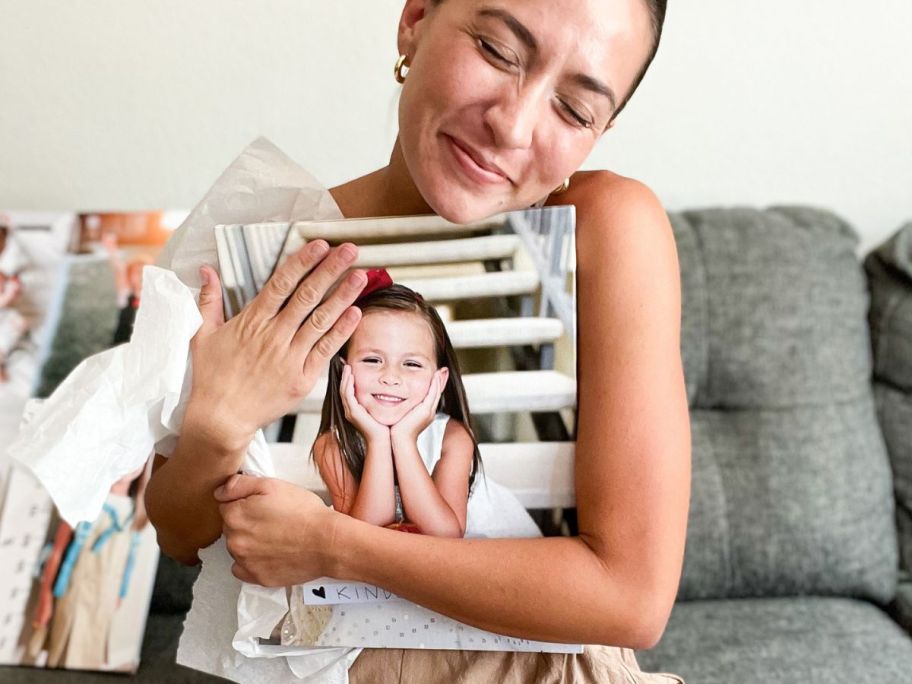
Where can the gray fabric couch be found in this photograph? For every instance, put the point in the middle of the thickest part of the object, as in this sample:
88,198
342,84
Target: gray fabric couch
793,559
798,555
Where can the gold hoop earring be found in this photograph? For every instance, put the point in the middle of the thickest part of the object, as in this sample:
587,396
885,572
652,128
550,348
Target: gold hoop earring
563,187
397,70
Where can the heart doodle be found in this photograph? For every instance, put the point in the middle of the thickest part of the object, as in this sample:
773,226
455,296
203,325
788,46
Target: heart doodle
321,592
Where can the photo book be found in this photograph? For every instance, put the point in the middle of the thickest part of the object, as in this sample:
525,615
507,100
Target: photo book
505,291
70,597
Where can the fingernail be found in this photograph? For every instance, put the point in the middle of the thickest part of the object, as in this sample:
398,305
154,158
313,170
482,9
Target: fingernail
319,248
349,251
204,276
357,279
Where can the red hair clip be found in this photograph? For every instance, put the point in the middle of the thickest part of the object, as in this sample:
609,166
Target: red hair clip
377,279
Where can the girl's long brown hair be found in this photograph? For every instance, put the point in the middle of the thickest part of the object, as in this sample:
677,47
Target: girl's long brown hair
452,401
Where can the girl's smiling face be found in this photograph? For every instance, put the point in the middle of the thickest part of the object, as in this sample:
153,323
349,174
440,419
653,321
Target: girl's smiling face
393,360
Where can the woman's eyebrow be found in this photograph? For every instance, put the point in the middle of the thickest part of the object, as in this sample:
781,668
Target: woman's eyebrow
514,24
596,86
528,39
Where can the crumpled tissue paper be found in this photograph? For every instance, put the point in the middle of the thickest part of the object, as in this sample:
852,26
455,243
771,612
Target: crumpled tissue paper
105,419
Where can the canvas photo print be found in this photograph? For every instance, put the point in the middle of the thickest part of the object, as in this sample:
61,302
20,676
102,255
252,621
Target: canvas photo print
71,597
466,347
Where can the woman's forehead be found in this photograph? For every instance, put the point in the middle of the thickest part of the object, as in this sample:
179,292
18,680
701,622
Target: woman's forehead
610,38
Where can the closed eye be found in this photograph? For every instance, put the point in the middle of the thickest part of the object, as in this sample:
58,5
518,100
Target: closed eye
574,116
413,364
370,359
493,52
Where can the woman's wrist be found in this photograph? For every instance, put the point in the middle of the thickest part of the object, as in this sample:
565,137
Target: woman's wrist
202,422
347,548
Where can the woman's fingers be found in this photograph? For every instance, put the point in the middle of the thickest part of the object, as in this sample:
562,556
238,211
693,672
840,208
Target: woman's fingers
324,317
210,300
319,353
287,277
303,303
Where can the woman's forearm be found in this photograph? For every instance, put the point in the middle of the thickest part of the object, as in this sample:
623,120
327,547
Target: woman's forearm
179,497
375,501
421,502
551,589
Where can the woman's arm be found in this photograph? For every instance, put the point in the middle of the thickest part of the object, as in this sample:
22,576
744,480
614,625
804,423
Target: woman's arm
246,373
616,582
179,497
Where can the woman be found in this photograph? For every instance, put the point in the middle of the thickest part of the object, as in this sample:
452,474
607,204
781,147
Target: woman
502,100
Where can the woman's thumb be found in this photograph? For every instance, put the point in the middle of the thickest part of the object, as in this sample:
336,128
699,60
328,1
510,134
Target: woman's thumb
210,299
237,487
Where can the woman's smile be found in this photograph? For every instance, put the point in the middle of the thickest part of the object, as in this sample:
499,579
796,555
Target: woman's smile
474,165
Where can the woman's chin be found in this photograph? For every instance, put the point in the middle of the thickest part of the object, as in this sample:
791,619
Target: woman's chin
458,205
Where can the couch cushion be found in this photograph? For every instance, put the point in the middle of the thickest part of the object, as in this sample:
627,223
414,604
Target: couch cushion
754,641
791,483
889,269
173,591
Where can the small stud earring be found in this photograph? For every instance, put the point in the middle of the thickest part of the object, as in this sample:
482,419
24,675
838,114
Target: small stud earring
397,70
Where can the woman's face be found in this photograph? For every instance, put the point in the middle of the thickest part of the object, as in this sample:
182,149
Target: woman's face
393,360
505,98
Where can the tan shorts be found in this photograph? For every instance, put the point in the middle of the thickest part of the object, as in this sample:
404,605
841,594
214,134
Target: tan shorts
598,665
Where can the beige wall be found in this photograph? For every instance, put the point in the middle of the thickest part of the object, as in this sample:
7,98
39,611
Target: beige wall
140,104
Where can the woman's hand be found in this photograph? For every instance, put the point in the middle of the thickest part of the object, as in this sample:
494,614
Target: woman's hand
357,415
259,365
415,421
277,533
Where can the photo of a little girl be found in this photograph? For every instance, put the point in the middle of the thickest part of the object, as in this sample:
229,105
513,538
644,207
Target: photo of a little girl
395,445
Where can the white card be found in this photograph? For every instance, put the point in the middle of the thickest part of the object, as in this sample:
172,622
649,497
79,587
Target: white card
330,592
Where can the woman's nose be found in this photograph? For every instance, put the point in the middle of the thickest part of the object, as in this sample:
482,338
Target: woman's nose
514,118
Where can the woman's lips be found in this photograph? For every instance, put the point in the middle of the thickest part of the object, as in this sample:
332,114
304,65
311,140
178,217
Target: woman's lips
474,170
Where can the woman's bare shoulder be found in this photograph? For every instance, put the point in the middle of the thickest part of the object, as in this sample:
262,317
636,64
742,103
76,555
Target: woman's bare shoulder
622,229
604,199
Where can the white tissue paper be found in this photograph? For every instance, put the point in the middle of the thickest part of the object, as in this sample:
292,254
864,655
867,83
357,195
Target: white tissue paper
109,414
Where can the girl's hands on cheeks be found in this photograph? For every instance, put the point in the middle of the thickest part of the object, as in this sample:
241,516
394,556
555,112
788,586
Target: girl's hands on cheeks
356,414
422,414
277,533
259,365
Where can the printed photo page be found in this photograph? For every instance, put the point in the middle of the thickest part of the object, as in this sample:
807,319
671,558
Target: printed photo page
71,597
503,290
